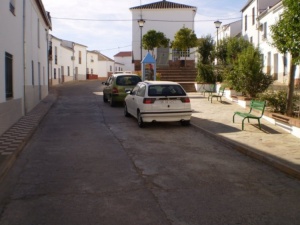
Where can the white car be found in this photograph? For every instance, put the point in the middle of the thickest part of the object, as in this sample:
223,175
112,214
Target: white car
158,101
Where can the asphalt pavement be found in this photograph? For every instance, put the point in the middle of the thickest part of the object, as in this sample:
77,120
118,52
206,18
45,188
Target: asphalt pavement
270,145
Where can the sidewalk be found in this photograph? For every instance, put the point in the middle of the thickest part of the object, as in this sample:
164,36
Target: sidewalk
270,145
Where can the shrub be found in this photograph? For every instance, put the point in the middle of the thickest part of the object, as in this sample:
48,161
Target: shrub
276,100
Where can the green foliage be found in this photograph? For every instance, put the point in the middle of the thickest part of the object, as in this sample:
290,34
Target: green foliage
276,100
184,39
205,73
228,49
246,74
206,49
153,39
205,63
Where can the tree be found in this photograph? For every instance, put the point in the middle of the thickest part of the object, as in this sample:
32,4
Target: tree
286,38
184,39
247,73
153,39
229,48
206,58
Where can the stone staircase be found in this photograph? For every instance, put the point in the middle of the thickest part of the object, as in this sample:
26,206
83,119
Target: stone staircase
186,77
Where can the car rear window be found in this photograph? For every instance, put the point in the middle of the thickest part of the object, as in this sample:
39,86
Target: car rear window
128,80
166,90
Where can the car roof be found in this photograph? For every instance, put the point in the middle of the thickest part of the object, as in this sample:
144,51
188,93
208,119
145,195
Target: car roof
160,82
124,74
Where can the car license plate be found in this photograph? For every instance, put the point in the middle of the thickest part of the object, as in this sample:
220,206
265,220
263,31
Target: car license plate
168,101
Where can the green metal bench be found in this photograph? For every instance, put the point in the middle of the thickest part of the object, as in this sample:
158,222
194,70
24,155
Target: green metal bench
218,95
258,106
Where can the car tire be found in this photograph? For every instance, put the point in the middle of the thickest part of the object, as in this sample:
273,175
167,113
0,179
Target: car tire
140,120
112,102
105,98
126,114
185,122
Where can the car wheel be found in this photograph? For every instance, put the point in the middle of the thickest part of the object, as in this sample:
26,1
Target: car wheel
185,122
104,98
125,111
140,120
112,102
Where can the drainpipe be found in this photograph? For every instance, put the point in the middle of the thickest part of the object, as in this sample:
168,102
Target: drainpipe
24,57
47,38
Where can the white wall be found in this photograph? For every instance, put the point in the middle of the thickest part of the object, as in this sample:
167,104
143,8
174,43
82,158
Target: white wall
161,16
80,65
28,87
126,61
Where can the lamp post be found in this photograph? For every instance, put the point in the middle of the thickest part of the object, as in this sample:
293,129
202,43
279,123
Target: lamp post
141,24
217,25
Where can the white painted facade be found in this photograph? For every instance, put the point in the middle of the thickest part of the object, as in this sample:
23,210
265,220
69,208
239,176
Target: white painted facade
125,61
100,64
23,45
257,31
166,20
229,30
60,63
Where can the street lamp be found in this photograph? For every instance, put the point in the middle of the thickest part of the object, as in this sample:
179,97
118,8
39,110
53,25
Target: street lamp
141,23
217,25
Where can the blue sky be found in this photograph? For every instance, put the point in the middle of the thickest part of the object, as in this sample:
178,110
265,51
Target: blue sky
111,37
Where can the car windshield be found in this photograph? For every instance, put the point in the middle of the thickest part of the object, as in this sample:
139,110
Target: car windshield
166,90
127,80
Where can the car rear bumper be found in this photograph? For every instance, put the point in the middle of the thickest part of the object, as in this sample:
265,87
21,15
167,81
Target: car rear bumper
166,116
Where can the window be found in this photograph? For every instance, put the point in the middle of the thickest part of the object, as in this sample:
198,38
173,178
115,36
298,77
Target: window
245,22
285,68
110,68
55,55
92,71
79,57
251,39
54,73
8,75
38,33
68,71
12,6
141,91
253,16
265,30
32,72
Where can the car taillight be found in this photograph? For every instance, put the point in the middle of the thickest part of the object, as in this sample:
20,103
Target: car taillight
185,100
115,90
149,100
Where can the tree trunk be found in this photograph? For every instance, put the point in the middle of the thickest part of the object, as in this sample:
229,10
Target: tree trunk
291,86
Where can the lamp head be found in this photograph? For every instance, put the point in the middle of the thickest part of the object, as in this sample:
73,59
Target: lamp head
141,22
217,24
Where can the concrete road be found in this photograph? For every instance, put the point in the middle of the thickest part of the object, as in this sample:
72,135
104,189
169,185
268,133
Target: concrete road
88,164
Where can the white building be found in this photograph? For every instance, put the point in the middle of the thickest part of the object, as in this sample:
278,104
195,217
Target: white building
100,65
258,16
67,62
125,58
166,17
233,29
24,58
